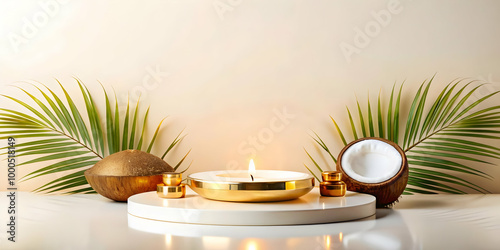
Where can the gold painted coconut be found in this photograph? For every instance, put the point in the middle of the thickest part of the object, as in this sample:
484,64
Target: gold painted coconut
125,173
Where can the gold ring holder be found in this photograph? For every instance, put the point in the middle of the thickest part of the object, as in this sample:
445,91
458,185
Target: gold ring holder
171,191
172,179
331,176
251,191
332,184
171,186
335,189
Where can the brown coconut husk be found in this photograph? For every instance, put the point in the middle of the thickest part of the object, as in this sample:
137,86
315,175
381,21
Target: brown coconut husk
125,173
386,192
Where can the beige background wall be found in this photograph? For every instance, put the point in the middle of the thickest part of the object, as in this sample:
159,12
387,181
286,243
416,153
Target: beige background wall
222,69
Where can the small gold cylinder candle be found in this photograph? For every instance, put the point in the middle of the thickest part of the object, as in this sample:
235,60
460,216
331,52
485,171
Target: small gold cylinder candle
171,191
172,179
331,176
335,189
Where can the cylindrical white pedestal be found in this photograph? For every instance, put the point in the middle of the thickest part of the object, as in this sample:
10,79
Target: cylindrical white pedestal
309,209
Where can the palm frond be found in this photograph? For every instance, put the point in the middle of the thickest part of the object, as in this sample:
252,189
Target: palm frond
380,117
133,129
56,129
442,138
94,118
370,119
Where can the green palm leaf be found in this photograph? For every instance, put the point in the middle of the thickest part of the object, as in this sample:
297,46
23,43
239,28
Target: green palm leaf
133,129
94,119
379,117
55,129
370,118
442,138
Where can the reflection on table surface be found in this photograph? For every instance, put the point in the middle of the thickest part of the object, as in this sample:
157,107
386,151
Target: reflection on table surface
360,234
417,222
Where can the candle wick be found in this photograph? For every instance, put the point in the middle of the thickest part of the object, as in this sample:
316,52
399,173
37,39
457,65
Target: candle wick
251,177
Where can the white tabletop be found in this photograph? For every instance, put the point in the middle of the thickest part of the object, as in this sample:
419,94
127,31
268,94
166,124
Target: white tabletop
94,222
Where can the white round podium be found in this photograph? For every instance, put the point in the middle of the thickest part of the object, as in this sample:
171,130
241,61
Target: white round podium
308,209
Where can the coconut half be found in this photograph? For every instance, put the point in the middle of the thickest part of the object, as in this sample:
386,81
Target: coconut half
125,173
375,166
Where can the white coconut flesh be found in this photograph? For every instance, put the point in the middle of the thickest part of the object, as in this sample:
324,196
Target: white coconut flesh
371,161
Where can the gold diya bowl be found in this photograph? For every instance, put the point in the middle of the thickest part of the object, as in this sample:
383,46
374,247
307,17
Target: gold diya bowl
234,186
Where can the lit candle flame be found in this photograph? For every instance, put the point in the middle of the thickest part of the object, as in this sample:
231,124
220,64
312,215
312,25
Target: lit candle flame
251,168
